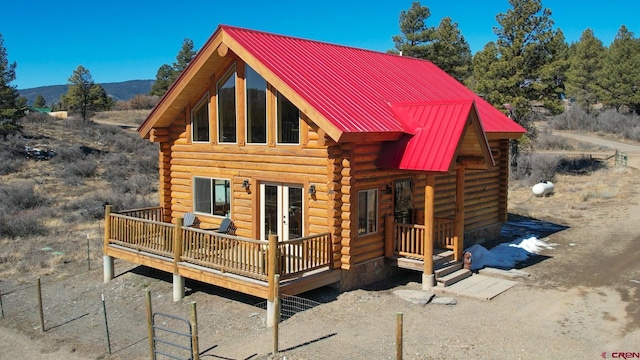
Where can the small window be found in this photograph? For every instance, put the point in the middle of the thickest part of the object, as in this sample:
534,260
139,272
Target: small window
227,108
200,120
288,121
256,107
367,212
403,201
212,196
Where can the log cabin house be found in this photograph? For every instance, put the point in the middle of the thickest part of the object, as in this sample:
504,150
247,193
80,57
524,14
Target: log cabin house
335,165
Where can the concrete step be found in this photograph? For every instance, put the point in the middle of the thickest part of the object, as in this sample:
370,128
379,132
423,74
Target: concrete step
453,277
447,268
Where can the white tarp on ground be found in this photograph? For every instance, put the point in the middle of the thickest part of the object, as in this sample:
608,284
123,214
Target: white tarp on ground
507,255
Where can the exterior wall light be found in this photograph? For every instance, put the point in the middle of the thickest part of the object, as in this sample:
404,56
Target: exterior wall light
312,190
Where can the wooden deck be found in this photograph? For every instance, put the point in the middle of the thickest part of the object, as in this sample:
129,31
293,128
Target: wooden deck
232,262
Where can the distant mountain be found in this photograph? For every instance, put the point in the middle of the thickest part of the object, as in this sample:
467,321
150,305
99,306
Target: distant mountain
118,90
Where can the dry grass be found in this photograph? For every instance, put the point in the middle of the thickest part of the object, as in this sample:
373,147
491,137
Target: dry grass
52,208
124,117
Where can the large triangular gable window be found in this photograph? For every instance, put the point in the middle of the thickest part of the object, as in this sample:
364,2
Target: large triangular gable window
227,108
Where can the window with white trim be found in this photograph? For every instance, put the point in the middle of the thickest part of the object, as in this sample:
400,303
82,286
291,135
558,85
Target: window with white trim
367,211
200,120
212,196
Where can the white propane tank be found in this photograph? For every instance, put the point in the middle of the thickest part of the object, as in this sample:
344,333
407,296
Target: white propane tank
543,188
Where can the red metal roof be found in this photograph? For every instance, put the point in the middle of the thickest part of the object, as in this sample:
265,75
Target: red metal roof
438,129
353,88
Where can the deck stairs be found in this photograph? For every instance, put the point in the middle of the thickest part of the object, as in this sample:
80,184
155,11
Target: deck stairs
446,270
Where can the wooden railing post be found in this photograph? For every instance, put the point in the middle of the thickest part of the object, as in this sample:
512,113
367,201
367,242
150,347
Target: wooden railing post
389,241
428,279
107,226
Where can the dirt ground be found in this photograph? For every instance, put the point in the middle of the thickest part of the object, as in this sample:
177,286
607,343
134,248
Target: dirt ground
582,299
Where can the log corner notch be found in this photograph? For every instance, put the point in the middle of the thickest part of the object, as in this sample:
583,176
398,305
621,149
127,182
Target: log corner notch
223,50
159,135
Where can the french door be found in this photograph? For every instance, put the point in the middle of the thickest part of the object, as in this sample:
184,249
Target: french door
281,211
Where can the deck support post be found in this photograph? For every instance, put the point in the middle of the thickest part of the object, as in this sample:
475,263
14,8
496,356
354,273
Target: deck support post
428,278
458,230
272,271
107,261
178,280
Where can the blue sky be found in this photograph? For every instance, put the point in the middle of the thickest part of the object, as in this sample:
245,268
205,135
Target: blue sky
126,40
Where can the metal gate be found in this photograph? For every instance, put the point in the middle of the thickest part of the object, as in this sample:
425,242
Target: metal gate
168,340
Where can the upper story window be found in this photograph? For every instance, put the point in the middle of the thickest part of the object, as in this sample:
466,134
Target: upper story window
256,88
200,120
288,121
227,108
367,211
212,196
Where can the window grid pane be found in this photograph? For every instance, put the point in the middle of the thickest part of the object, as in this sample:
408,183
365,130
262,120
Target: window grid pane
202,195
256,107
367,212
200,121
212,196
227,109
288,121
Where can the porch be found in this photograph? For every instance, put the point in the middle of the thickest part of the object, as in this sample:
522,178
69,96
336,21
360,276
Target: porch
237,263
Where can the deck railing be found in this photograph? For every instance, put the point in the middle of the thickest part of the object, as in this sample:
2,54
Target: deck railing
227,253
150,213
141,234
409,237
304,254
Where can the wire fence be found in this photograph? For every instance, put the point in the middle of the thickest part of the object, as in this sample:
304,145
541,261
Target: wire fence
228,329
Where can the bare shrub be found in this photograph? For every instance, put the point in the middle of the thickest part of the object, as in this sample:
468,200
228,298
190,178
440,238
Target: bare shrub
582,165
91,206
12,154
84,168
534,167
20,195
23,223
546,141
608,121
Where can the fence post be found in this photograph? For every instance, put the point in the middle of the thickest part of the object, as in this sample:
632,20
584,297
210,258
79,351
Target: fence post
399,336
40,311
178,281
1,306
106,324
106,259
194,332
272,271
150,335
276,306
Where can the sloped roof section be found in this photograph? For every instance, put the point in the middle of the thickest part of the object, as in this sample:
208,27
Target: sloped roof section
353,87
437,128
346,90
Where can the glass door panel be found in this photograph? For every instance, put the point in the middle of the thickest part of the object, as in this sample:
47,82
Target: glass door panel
281,211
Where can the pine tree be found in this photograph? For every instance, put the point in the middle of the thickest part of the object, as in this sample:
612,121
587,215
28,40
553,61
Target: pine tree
10,109
443,45
83,95
39,101
619,79
585,63
167,74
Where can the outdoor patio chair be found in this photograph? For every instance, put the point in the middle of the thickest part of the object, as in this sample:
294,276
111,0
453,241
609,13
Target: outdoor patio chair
189,220
226,227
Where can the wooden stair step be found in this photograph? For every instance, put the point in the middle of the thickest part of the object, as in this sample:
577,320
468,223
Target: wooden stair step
447,268
442,257
453,277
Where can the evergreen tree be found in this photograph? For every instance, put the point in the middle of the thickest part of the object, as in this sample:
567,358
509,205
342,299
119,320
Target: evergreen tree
39,101
619,79
525,64
443,45
585,64
83,95
167,74
451,52
11,106
416,35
